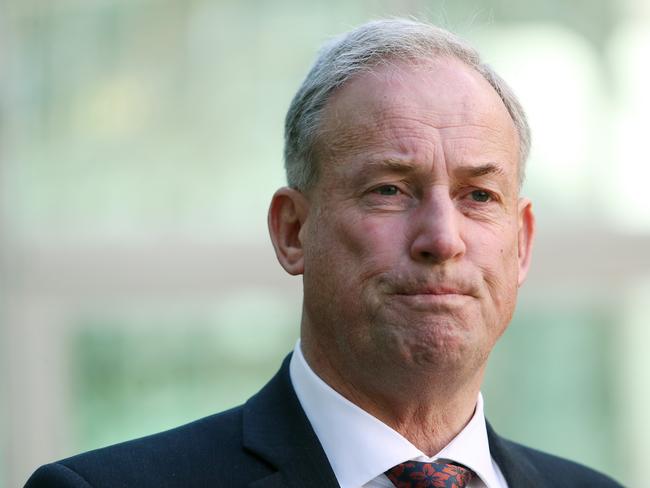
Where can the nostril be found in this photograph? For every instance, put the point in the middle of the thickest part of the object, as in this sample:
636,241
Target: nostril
434,248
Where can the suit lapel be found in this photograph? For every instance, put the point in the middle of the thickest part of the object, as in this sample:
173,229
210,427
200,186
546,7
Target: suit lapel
277,430
514,464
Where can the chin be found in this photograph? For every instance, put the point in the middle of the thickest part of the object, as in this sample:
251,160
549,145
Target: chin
436,344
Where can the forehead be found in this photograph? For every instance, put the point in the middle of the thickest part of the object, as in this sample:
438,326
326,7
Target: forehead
425,103
445,85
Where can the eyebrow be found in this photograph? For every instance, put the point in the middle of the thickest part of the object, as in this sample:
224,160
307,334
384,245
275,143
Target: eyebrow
481,170
373,167
406,166
399,165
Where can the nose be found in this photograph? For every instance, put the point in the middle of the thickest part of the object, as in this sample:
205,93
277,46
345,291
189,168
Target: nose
436,229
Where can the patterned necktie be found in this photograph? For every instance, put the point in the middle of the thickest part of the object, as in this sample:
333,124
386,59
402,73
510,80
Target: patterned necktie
413,474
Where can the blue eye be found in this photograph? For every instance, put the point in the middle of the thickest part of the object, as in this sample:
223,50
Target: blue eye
480,196
387,190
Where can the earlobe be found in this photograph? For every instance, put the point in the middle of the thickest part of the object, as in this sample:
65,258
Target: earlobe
525,237
287,215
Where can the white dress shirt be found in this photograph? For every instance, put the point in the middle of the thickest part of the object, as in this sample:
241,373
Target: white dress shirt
360,447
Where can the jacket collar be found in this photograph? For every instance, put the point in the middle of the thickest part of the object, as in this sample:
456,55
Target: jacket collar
276,429
514,464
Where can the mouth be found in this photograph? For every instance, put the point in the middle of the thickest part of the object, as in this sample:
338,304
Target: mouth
432,297
433,291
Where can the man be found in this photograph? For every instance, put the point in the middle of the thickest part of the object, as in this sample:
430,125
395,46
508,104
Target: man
405,157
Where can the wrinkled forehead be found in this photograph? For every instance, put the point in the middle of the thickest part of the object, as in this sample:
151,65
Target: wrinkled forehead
433,89
441,93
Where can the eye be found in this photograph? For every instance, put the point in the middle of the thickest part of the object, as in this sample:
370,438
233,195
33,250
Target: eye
481,196
386,190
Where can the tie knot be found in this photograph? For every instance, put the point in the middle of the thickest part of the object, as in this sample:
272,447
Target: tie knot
413,474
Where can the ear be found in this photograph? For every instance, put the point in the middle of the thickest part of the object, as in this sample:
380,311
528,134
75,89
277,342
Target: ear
525,236
287,215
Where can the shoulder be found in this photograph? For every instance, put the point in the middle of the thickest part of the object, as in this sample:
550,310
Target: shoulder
195,454
557,471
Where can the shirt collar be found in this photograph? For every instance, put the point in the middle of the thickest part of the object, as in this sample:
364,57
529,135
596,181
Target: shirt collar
372,447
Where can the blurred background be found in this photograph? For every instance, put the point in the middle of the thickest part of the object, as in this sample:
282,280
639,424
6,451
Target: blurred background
141,141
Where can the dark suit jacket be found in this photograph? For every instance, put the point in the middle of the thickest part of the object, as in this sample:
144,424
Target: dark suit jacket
266,443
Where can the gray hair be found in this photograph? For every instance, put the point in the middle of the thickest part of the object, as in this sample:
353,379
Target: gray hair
361,50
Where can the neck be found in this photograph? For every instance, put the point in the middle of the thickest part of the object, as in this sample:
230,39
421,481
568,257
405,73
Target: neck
427,407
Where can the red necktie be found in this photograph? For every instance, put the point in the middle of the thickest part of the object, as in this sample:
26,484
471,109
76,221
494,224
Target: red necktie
413,474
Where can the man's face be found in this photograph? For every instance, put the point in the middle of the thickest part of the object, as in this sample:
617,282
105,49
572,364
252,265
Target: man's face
415,240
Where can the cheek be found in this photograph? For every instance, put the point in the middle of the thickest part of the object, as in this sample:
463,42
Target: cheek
363,235
496,244
337,248
497,257
378,243
352,255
